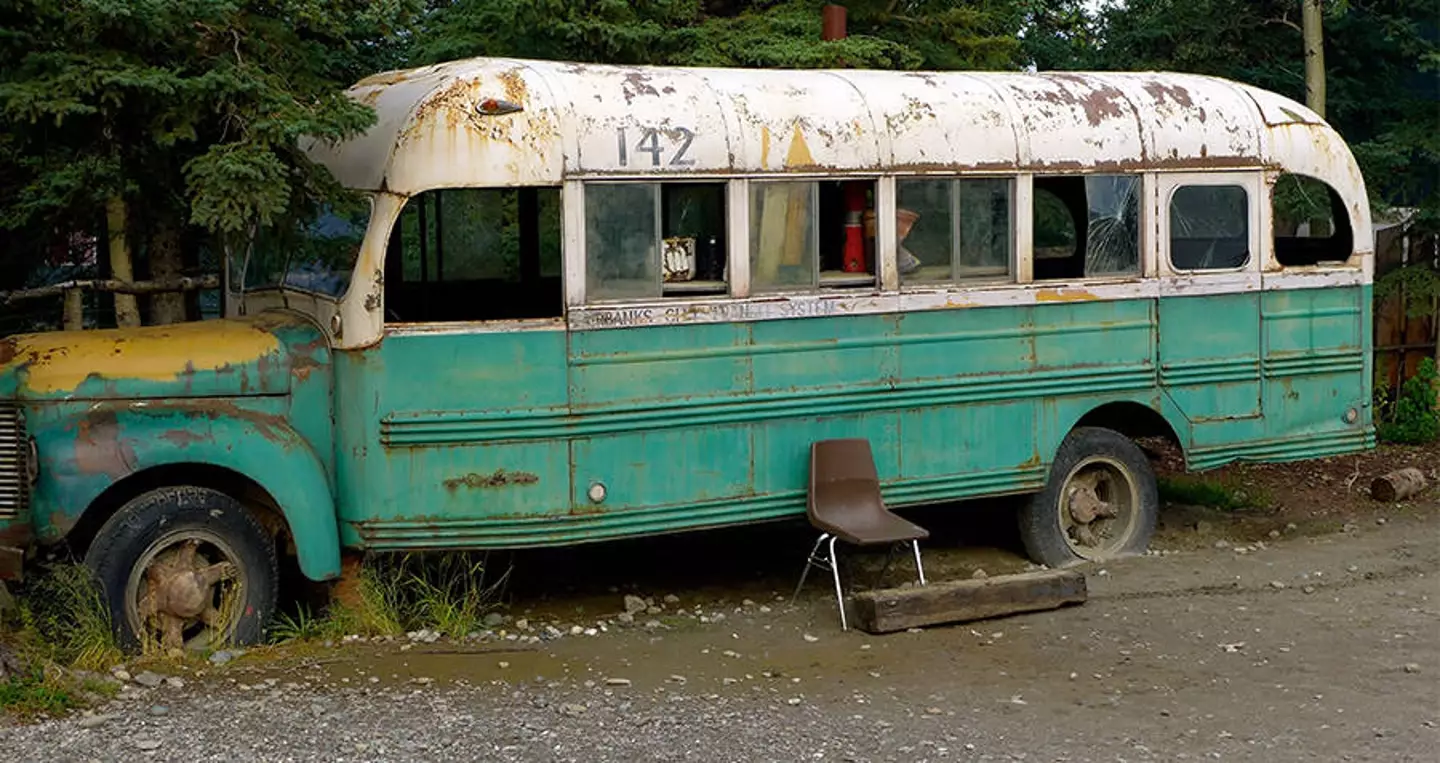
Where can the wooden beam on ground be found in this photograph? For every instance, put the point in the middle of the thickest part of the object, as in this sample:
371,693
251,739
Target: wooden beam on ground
894,609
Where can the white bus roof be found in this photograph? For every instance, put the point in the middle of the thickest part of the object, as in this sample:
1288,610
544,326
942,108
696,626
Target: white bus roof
595,121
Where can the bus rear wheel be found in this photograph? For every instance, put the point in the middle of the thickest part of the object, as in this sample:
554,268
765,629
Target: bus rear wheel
1100,502
185,568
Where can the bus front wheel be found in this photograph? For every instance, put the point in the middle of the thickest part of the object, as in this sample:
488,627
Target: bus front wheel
185,568
1100,501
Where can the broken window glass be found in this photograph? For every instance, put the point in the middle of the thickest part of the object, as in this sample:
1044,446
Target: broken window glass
1086,226
1209,227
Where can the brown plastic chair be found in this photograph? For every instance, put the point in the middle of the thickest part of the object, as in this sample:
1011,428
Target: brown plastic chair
845,504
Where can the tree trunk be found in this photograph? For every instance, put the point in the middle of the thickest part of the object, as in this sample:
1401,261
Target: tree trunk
116,217
1398,485
1314,56
166,264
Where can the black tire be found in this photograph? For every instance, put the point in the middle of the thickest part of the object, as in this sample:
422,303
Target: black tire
1045,528
159,519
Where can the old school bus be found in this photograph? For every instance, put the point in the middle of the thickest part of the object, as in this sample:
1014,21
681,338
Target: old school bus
583,302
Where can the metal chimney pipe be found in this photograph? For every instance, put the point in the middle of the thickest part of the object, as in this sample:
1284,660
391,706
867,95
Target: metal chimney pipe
832,22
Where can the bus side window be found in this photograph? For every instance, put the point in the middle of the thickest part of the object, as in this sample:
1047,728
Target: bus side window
953,230
812,234
653,240
476,254
1086,226
1209,227
1310,221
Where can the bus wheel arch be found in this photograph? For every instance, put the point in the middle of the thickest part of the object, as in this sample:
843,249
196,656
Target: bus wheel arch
181,493
1100,501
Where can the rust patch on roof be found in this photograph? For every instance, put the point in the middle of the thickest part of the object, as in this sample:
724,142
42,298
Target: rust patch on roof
637,83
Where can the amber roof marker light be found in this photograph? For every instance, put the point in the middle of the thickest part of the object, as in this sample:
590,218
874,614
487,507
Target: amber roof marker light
494,107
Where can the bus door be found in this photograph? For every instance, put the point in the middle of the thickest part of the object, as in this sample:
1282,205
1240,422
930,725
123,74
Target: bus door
1209,238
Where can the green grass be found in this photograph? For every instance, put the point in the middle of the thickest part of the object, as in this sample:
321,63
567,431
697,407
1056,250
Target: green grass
33,693
445,592
64,620
1192,490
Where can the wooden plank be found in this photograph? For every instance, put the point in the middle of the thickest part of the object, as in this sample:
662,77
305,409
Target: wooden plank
894,609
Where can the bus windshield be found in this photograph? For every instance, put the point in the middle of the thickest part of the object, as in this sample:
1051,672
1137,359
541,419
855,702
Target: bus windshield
313,254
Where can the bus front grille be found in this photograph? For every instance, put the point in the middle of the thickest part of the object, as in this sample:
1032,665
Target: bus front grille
14,461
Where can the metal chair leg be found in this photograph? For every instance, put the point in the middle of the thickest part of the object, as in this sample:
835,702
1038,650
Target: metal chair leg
839,596
809,561
915,545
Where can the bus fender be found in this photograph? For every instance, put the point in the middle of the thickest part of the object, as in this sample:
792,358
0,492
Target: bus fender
107,444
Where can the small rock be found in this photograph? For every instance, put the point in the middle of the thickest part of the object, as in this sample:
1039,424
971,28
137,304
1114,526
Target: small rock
159,710
810,638
121,674
503,664
793,701
572,709
92,721
1380,520
731,653
1274,533
1222,544
1276,584
652,610
625,618
522,624
225,655
422,680
748,603
149,680
591,631
764,610
617,682
978,574
652,624
1349,527
1352,568
1291,527
635,604
494,620
1412,667
1308,589
147,744
933,711
576,630
174,682
671,598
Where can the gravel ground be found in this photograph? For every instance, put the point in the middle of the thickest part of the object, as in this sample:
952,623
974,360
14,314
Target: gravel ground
1322,648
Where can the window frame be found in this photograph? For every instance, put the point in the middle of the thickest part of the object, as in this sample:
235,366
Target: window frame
1145,264
577,267
1167,183
1353,262
1251,219
385,238
1011,275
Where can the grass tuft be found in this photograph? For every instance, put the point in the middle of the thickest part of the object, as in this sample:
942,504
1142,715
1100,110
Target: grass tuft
67,620
445,592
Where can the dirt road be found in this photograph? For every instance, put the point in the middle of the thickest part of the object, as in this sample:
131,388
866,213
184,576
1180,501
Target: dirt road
1310,648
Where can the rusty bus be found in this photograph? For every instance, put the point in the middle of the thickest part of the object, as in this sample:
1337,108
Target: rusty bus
586,302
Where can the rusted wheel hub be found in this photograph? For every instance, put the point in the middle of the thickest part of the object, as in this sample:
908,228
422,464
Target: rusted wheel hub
1099,502
179,588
